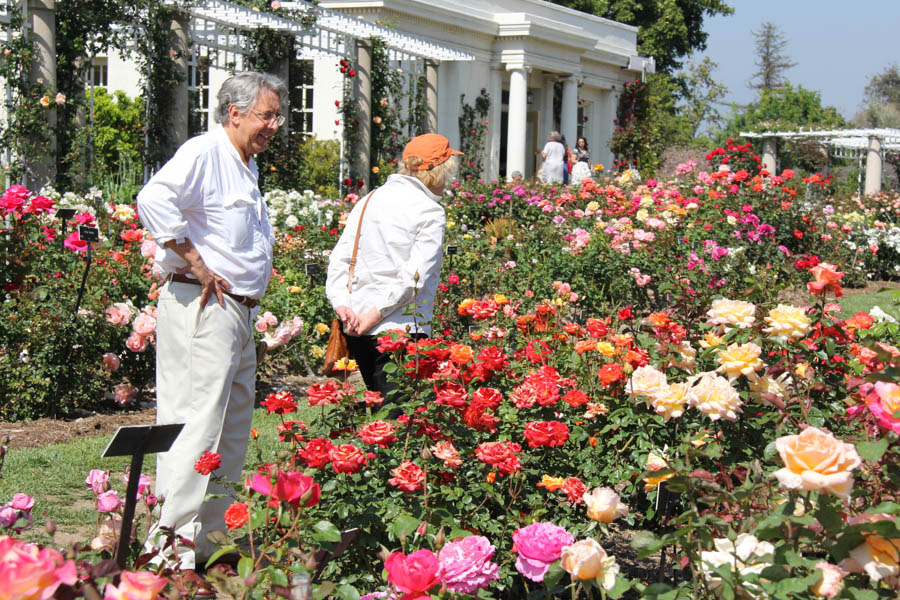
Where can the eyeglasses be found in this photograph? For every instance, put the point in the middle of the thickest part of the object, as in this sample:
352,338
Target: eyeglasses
269,118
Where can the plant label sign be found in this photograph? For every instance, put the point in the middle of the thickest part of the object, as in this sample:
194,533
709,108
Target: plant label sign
88,234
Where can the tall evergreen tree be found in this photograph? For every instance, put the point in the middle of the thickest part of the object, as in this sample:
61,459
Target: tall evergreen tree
770,58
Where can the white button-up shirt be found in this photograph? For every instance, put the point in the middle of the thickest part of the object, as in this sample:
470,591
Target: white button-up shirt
402,235
207,194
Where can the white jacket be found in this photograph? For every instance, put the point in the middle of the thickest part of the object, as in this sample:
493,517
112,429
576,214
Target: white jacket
402,235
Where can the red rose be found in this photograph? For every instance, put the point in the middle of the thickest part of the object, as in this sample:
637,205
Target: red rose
236,516
317,452
408,477
546,391
279,403
208,462
378,432
610,373
500,454
414,574
451,394
489,397
347,458
323,393
625,314
574,489
537,351
546,433
576,398
597,328
493,358
285,429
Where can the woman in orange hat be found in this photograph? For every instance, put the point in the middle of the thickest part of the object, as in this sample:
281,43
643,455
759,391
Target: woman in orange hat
396,234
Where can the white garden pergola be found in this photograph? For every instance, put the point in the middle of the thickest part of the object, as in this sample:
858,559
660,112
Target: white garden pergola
224,27
847,143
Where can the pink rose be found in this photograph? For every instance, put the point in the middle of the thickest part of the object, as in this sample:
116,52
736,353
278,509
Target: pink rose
817,461
22,502
98,481
8,516
831,583
108,502
110,362
124,393
538,545
143,484
883,403
142,585
30,572
119,314
466,565
264,321
144,325
148,248
136,342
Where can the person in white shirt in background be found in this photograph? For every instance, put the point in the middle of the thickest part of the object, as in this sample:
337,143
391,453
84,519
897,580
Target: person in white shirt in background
554,155
399,257
205,211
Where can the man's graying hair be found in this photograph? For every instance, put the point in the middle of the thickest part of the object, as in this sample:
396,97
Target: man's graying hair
243,90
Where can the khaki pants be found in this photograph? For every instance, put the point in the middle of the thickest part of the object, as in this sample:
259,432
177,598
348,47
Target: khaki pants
205,378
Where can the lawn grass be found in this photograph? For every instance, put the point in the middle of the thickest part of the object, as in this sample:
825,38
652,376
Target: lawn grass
54,476
884,298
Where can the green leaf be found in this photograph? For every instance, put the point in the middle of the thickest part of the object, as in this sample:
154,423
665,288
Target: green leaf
552,577
278,576
326,590
872,451
891,508
390,367
621,586
829,518
404,525
346,592
324,531
245,567
220,552
858,594
458,533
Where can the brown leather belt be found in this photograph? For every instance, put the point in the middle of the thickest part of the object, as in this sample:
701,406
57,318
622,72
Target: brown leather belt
248,302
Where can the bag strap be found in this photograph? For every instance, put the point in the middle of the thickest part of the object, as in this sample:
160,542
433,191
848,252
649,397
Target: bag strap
356,241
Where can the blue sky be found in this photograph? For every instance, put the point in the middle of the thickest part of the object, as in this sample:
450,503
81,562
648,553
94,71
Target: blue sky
837,45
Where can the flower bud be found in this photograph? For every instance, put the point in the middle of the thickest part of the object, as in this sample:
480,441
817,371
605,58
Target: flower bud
50,527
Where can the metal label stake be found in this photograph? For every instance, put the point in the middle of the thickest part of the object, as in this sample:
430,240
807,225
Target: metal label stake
136,441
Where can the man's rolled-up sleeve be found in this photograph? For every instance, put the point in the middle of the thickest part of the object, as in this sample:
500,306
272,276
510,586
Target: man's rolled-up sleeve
173,189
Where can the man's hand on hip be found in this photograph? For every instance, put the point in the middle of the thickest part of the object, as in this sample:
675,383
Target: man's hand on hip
210,282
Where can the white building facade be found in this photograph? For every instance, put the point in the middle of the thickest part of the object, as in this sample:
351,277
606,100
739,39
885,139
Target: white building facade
544,66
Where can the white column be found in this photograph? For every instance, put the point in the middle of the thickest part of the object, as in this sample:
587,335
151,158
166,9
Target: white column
516,119
873,166
568,125
431,97
363,150
604,118
495,116
547,121
42,18
770,155
179,41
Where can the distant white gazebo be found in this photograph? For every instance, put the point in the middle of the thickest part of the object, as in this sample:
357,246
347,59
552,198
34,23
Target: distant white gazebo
847,143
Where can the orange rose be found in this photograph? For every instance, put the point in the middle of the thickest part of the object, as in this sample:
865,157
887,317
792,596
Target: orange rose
236,516
461,353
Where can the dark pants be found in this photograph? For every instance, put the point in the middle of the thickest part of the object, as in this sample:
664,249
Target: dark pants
371,363
364,351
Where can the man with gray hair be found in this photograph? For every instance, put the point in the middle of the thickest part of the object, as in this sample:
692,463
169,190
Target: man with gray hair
205,211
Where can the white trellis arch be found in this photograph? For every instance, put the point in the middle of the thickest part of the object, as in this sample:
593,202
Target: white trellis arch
846,143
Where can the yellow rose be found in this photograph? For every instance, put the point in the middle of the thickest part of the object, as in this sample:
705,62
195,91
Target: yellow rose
646,381
604,505
588,560
731,312
815,460
322,328
641,215
296,289
715,398
765,384
787,322
740,359
606,348
551,483
711,340
669,401
123,212
732,220
593,206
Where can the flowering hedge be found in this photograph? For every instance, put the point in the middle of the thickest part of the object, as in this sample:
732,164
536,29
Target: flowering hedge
613,352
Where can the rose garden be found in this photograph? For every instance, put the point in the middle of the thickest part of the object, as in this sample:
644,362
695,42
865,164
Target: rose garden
613,356
654,383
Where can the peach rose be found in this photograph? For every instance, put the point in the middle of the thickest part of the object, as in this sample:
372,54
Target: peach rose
646,381
715,397
730,313
816,460
879,558
669,401
745,555
588,560
141,585
787,322
144,325
604,505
